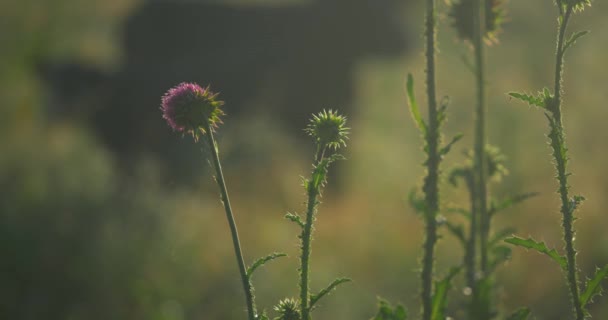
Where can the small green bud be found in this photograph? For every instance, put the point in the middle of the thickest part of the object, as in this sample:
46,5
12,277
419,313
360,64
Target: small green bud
328,129
288,309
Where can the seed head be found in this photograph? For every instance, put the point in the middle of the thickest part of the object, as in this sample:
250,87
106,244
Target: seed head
461,12
288,310
189,108
328,128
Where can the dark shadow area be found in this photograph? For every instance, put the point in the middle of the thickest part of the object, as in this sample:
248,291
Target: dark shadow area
284,62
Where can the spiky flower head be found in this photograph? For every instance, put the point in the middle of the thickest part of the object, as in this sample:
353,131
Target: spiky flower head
189,108
328,128
495,166
288,309
462,11
577,5
496,163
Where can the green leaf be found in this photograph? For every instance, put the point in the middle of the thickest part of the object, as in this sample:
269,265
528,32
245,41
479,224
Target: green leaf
457,231
501,235
572,40
417,202
295,218
262,316
537,101
593,286
316,297
440,298
540,247
386,311
575,203
520,314
448,146
262,261
511,201
415,111
481,303
319,173
460,172
500,254
441,111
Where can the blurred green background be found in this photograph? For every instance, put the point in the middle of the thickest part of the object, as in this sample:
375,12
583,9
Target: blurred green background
107,214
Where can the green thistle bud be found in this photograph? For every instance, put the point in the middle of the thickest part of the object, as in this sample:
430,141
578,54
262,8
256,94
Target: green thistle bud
328,129
288,309
461,12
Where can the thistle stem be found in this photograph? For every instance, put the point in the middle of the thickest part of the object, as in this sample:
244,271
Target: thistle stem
430,187
233,230
559,153
311,208
471,248
480,165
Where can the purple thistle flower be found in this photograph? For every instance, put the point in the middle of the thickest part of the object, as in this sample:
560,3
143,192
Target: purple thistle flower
189,108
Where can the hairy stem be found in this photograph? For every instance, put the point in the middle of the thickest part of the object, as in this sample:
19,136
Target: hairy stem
480,165
233,230
559,152
311,208
471,248
430,187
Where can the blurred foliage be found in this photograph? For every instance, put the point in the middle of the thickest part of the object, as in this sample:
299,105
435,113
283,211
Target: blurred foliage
84,237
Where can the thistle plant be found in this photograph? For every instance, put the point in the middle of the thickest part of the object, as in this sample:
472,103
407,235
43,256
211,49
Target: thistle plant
480,284
329,132
551,104
478,22
191,109
433,304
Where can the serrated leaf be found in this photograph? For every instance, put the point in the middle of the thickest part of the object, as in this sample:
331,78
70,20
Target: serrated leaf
537,101
511,201
448,146
319,173
316,297
540,247
386,311
440,298
520,314
262,261
414,110
594,286
295,218
572,40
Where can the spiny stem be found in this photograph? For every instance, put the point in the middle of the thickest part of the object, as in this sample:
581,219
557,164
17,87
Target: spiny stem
559,153
471,249
306,237
430,187
480,164
233,230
